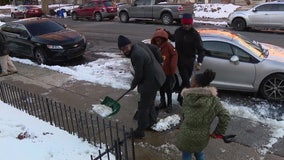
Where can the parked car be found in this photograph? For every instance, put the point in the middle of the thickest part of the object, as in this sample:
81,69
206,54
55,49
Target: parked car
43,40
155,10
242,64
266,15
26,11
95,9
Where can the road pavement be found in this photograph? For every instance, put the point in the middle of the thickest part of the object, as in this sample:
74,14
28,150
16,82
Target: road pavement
250,140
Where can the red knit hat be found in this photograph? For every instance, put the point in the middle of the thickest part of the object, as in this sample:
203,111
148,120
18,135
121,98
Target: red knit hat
187,19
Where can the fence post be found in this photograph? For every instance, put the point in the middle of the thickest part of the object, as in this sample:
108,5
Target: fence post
48,109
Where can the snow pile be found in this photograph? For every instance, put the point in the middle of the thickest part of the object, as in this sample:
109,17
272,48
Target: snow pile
102,110
167,123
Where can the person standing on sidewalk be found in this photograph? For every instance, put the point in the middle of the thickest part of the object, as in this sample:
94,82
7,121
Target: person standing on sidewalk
188,44
148,76
170,58
6,63
200,107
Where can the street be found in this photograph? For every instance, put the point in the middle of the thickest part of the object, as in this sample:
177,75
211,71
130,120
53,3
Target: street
102,37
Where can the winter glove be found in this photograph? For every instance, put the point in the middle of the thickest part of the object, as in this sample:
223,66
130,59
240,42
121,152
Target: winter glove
213,135
198,66
226,139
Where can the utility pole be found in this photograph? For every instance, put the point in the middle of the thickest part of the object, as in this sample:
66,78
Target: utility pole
44,6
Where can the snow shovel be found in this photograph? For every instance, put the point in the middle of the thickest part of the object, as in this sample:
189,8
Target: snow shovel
113,104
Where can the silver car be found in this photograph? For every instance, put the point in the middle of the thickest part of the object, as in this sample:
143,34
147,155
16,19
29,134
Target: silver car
266,15
243,65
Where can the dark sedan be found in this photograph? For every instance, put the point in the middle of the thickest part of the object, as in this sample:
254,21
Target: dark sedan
43,40
26,11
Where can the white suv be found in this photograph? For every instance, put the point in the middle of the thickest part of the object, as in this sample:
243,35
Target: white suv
265,15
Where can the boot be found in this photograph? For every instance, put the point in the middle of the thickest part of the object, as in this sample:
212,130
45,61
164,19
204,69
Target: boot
138,134
170,106
180,99
163,104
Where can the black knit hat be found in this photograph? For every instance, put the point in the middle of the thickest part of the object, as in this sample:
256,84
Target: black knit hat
122,41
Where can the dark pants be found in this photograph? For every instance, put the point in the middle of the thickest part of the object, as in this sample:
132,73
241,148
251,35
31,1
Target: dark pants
185,71
167,89
146,115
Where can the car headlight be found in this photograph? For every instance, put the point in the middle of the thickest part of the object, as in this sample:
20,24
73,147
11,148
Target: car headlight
54,47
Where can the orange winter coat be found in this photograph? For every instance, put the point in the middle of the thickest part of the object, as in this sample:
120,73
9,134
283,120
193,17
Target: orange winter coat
168,51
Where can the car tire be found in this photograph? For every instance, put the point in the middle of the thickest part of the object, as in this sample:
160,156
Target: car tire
272,87
98,17
40,56
123,17
239,24
74,16
167,18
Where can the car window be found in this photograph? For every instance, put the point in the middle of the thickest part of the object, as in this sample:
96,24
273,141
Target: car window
265,7
281,7
44,27
108,3
218,49
243,56
11,29
90,4
100,4
277,7
140,2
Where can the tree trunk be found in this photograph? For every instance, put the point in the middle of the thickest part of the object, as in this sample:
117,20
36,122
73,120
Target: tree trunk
44,6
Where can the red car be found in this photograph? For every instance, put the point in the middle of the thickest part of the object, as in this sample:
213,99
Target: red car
95,9
26,11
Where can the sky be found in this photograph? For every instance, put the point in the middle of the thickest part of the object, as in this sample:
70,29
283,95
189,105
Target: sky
40,138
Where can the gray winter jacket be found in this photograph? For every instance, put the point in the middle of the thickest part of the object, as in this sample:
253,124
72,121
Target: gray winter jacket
149,75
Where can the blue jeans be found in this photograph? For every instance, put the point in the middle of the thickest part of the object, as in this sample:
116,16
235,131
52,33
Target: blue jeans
188,156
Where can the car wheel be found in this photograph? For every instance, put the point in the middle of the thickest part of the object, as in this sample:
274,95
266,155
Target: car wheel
167,18
239,24
74,16
40,56
98,17
123,17
272,87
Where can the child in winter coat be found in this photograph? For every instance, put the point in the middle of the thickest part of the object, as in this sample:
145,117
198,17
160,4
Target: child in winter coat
170,58
200,106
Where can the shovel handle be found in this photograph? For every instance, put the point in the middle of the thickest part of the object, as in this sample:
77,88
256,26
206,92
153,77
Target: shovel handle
123,94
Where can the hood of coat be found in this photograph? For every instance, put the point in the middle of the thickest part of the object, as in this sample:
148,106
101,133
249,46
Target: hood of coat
197,95
159,33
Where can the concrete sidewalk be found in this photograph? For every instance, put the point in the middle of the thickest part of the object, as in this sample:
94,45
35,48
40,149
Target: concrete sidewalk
156,145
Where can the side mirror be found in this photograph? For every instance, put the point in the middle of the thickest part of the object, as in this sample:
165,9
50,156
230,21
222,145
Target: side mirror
235,59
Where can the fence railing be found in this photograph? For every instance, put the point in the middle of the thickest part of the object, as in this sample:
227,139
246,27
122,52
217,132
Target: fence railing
92,128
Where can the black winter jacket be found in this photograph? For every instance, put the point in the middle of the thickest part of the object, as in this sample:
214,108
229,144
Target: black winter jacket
3,46
188,44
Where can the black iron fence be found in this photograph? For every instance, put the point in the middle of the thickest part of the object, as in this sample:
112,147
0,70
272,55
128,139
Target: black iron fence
100,132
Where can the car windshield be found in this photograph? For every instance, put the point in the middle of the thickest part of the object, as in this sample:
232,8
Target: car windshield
43,27
254,46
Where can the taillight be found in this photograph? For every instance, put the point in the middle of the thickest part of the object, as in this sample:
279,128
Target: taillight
180,8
